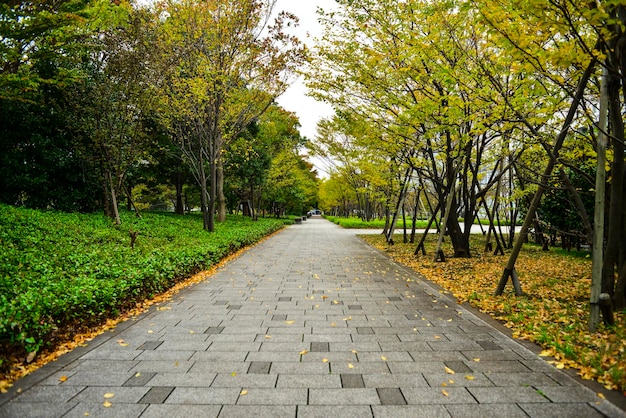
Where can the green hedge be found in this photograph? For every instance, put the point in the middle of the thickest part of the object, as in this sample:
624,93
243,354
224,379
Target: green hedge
66,268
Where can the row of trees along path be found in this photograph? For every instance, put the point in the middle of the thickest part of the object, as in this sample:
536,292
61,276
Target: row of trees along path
480,104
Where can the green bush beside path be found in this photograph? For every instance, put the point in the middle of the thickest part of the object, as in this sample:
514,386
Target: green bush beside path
66,268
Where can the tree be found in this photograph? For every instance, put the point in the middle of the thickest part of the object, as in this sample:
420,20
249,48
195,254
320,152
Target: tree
226,64
113,103
42,46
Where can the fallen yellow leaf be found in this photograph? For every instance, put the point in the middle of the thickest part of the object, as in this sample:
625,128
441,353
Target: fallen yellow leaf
445,393
290,322
4,386
109,395
469,377
601,395
107,404
350,366
63,378
243,392
324,360
383,358
303,352
449,370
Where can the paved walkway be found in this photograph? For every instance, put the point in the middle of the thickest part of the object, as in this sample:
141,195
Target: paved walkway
310,323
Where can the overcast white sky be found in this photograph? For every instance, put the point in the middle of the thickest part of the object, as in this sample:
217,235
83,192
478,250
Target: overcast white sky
308,110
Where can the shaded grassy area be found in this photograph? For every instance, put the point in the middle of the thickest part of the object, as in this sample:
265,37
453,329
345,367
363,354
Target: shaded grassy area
554,313
61,273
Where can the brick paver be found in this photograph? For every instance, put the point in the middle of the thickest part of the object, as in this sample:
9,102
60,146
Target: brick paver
310,323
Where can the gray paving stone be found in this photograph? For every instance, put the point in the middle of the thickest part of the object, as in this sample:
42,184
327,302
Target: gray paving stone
368,356
321,411
309,381
116,410
391,396
522,394
493,355
35,410
284,347
150,345
118,394
218,356
260,367
244,381
578,410
275,396
487,411
274,356
522,379
162,366
246,411
352,381
156,395
218,367
320,346
50,394
394,380
437,395
343,397
182,379
498,366
559,394
155,355
98,378
181,411
298,368
410,411
203,396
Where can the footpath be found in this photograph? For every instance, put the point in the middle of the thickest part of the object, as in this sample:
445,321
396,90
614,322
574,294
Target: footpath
312,322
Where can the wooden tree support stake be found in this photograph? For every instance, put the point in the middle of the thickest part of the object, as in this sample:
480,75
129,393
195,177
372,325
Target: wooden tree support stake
512,273
133,237
440,256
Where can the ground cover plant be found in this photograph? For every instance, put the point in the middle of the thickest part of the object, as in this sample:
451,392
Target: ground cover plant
61,273
358,223
553,313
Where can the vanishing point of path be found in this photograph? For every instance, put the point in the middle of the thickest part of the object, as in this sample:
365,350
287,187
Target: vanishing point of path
310,323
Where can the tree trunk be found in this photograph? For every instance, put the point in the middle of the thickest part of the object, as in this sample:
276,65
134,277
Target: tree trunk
598,216
614,238
180,208
116,212
221,198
